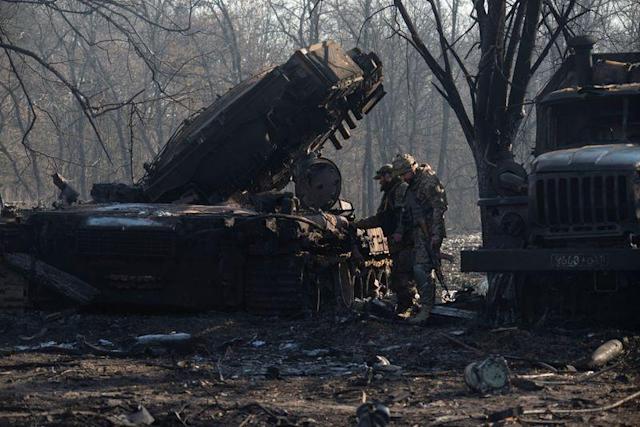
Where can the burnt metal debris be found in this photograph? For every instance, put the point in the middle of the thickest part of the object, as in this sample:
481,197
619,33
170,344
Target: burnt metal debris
207,226
568,236
488,376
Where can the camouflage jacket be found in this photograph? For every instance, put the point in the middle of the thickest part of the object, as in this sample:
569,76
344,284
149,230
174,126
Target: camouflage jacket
389,213
426,201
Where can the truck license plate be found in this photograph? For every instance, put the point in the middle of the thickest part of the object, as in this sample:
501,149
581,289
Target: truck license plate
579,261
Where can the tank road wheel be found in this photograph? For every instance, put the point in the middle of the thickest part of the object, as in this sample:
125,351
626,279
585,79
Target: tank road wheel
371,283
358,284
312,294
343,285
384,281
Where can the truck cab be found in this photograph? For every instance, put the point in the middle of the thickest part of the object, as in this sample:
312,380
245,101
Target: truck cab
579,223
584,183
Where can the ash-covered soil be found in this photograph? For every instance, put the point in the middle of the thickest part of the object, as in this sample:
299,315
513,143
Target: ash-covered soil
84,369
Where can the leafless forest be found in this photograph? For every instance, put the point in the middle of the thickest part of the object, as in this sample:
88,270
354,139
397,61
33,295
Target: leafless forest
92,90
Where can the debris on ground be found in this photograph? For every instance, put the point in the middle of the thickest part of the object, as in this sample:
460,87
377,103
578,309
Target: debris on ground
605,353
163,339
373,415
488,376
140,417
309,369
81,369
443,310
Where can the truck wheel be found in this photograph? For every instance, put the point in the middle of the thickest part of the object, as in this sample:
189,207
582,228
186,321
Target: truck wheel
513,298
531,309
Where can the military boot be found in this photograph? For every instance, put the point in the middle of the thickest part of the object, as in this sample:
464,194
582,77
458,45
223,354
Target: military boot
427,300
422,316
403,307
406,300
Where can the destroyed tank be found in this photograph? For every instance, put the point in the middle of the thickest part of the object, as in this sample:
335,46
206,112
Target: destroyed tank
208,226
570,243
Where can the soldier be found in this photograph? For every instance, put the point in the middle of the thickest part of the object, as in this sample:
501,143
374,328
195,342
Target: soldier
425,204
389,218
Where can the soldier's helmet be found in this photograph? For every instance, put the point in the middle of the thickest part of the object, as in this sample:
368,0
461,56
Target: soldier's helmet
386,168
404,163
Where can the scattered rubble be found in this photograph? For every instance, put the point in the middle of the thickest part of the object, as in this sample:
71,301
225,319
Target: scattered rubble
315,371
311,371
141,417
373,415
163,339
605,353
488,376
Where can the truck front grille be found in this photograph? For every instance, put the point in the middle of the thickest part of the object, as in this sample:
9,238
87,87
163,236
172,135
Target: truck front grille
583,202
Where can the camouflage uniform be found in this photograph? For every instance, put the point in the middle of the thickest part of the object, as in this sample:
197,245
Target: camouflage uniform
425,203
389,218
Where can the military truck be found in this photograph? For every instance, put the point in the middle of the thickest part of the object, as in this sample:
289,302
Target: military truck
208,226
570,242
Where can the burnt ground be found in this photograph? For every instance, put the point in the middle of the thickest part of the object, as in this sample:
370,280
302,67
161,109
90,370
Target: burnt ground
240,369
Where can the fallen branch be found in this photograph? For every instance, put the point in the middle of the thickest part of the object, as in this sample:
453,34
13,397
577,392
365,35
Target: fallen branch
583,411
463,344
263,408
526,421
540,363
584,378
446,419
483,353
247,420
34,336
60,412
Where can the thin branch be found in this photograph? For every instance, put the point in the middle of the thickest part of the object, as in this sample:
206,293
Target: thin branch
367,19
79,96
561,22
441,74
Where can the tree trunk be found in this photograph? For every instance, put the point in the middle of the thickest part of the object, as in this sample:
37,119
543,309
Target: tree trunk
367,167
444,138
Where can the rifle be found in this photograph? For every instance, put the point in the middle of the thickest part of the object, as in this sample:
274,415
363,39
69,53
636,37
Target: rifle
435,257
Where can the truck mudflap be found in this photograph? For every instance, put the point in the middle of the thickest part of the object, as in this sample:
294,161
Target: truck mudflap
566,260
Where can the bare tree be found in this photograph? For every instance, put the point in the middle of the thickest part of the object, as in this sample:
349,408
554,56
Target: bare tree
142,67
446,110
508,36
66,32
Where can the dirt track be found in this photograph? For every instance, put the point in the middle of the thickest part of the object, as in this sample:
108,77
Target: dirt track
245,370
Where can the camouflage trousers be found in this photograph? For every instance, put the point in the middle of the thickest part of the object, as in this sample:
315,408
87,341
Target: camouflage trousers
423,267
401,274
